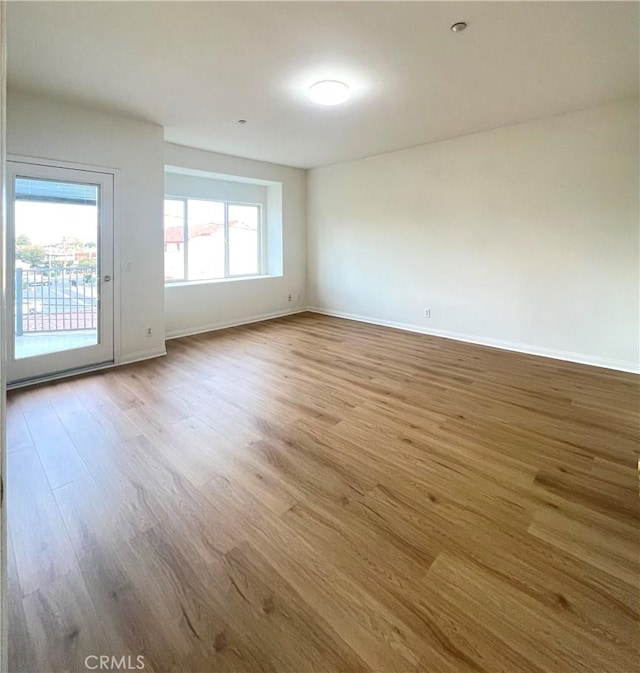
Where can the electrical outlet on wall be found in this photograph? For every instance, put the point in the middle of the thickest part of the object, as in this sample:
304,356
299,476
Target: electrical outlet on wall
427,313
290,297
149,332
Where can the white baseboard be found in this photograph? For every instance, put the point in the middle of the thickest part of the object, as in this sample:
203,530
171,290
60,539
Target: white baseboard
201,329
141,356
568,356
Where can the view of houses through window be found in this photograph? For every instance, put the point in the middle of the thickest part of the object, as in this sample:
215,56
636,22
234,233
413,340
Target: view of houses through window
207,240
55,280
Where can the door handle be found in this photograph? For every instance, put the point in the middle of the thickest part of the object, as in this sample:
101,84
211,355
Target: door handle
107,279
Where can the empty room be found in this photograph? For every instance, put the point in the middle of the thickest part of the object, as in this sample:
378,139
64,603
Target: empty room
320,337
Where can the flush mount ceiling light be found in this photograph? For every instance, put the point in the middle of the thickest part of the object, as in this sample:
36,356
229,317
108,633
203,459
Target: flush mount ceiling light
458,27
329,92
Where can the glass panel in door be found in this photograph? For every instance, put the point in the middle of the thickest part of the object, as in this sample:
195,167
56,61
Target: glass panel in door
56,266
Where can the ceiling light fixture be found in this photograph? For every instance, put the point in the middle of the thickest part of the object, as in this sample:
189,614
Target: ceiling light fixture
329,92
458,27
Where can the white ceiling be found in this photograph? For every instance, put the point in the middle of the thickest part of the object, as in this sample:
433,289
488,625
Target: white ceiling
198,67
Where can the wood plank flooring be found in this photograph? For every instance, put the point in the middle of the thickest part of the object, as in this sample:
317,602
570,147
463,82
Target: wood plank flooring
313,494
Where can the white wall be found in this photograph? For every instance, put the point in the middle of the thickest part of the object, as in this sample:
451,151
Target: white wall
41,128
190,186
524,237
204,306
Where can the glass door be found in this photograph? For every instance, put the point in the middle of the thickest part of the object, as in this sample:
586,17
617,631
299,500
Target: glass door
60,245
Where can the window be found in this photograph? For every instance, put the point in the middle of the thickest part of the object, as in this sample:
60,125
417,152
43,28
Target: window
207,240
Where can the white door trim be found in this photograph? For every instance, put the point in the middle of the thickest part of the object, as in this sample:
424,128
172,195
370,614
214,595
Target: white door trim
109,179
117,218
4,640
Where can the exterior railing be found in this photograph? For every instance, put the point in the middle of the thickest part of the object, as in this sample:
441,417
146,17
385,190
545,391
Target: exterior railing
56,299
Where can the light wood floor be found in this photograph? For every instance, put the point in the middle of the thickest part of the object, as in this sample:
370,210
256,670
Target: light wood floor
312,494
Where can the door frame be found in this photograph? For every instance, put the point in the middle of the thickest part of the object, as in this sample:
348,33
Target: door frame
4,631
8,317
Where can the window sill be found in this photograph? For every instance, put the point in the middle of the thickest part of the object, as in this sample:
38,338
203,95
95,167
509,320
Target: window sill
215,281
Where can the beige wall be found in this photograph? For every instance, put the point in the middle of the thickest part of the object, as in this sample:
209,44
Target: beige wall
524,237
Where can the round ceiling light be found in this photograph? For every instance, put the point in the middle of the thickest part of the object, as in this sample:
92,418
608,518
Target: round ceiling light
329,92
458,27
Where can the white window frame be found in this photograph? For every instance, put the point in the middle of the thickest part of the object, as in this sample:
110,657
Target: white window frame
185,244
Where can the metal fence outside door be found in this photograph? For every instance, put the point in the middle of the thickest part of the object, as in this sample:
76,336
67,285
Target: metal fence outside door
56,299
